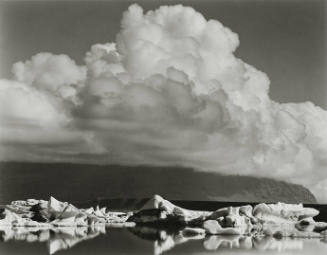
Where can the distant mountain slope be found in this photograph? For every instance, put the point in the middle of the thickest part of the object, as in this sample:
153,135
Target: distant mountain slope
77,182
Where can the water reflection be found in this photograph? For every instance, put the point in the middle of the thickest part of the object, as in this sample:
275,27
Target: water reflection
60,238
163,240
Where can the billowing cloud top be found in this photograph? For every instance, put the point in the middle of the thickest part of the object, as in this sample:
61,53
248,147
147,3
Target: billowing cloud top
169,91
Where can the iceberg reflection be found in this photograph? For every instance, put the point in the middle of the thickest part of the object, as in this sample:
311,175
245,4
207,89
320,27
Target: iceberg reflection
60,238
163,240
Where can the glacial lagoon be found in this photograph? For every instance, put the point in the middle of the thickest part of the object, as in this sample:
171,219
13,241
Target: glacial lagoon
55,227
72,241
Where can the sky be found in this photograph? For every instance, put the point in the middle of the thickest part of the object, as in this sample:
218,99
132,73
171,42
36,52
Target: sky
235,87
278,37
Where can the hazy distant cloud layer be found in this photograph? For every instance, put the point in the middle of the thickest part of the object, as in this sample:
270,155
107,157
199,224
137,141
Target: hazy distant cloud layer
169,91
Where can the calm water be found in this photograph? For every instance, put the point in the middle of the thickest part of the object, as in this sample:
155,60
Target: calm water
147,241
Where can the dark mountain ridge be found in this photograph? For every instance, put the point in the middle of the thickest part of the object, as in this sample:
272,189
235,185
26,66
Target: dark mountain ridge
81,182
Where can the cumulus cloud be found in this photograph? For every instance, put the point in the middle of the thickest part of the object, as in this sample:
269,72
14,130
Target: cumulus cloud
169,91
55,74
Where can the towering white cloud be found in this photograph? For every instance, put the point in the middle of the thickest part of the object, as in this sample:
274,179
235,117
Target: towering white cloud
169,91
55,74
